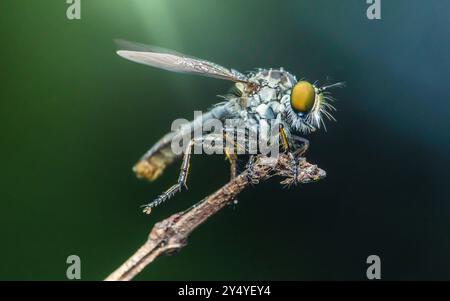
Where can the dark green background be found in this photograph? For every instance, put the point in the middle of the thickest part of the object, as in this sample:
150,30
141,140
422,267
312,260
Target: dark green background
75,117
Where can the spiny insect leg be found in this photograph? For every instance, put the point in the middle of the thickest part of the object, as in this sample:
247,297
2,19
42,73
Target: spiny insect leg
249,168
293,156
230,149
230,152
182,178
297,154
284,141
302,150
294,167
232,158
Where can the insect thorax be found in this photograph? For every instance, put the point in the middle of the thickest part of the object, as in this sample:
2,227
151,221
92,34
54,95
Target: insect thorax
260,108
268,101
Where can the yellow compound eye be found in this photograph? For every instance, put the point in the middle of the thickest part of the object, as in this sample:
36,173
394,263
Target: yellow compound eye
303,96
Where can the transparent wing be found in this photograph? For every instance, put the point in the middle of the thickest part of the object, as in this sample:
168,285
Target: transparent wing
176,62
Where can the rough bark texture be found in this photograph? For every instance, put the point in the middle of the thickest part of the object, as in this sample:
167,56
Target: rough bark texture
171,233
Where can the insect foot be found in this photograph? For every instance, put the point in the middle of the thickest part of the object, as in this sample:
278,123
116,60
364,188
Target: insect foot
163,197
310,173
305,171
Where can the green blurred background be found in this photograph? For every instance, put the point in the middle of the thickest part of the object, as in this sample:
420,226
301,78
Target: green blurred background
75,117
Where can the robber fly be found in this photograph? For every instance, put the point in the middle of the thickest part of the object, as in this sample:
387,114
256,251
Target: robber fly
259,96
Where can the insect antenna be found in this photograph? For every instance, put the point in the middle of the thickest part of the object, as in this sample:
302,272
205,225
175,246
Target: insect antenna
336,85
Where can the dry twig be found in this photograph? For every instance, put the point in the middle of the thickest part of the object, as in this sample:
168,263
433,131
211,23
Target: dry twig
171,234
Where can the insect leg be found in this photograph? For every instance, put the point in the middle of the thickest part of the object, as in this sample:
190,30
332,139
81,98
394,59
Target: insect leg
284,141
249,168
232,148
230,153
302,150
184,171
232,158
292,156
